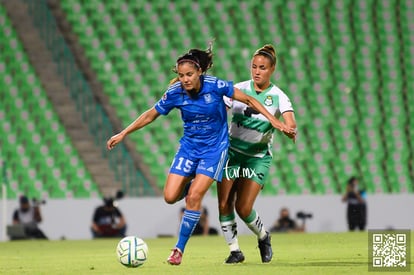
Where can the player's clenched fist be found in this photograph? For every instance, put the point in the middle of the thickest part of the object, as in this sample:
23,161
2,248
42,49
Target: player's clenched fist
114,140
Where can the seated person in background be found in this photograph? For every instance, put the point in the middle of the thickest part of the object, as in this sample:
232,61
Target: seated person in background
286,224
29,216
108,221
203,226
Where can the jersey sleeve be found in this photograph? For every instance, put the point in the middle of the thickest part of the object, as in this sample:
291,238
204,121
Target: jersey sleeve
228,101
118,212
16,216
225,87
166,103
284,103
96,215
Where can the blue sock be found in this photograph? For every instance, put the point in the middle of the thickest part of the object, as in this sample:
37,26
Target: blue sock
188,223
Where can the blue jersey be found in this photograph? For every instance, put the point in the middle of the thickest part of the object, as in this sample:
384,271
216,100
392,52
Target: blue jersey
204,116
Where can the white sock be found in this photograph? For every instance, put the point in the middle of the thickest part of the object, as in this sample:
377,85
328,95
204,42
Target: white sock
256,226
229,229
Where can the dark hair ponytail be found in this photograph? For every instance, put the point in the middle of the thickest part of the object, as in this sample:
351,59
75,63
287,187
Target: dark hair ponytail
199,58
205,58
202,59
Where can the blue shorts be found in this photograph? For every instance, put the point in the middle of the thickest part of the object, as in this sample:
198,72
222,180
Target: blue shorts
188,164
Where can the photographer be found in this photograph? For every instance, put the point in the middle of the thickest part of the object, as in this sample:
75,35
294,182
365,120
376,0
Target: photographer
286,224
108,221
357,209
29,216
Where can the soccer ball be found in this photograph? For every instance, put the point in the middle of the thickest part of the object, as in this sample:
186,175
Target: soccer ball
132,251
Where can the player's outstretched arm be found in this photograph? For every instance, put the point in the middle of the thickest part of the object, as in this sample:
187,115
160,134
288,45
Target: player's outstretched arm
290,121
146,118
253,103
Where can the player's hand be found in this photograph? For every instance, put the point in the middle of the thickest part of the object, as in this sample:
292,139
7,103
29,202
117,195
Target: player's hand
288,131
291,136
277,124
114,140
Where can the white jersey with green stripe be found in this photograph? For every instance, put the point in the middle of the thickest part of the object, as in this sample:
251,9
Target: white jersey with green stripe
250,132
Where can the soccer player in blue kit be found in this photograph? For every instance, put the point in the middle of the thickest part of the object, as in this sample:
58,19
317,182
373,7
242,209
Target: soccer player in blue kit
203,147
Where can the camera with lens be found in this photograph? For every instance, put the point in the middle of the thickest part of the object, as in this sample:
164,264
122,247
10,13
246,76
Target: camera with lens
37,203
113,201
303,215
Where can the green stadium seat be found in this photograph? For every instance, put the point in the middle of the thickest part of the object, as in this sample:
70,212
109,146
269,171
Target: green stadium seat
330,71
291,187
271,188
34,121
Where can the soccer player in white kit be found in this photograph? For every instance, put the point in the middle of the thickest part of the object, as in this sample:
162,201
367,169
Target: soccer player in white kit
250,154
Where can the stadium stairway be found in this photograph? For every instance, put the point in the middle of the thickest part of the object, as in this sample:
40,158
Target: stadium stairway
85,65
58,94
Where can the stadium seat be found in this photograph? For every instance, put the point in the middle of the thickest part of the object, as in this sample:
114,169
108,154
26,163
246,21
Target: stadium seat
35,124
328,66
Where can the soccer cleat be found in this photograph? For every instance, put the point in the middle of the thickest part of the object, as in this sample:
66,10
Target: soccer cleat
235,257
175,257
265,248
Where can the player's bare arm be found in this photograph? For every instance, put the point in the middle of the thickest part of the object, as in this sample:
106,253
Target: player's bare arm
290,121
253,103
146,118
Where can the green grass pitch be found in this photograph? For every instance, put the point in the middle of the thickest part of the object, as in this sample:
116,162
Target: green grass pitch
310,253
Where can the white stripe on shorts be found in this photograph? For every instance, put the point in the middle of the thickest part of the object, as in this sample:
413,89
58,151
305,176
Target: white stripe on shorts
220,165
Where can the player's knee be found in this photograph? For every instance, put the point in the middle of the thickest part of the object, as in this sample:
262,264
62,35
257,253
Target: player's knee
224,207
243,210
193,200
170,199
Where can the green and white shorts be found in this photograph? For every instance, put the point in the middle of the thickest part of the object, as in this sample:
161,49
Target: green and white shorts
243,166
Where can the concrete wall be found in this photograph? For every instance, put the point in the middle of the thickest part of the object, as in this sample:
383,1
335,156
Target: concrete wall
150,217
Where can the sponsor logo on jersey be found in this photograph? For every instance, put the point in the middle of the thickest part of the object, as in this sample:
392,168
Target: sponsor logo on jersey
221,84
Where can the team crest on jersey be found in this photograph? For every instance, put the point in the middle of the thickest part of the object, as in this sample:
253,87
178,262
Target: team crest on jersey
207,98
268,101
